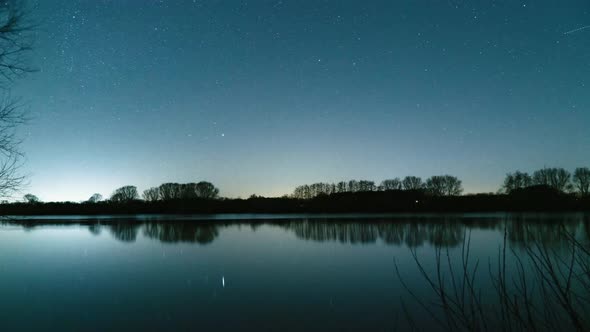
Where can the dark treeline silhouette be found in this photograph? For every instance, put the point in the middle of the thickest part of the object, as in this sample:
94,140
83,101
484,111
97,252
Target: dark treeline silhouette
181,191
441,185
391,201
557,179
548,189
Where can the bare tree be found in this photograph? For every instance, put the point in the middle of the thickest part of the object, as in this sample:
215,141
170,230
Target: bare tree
15,44
543,289
169,191
454,186
444,185
30,198
187,190
95,198
557,178
582,180
125,194
15,40
302,192
436,185
516,180
152,194
412,183
560,179
353,186
206,190
391,184
366,185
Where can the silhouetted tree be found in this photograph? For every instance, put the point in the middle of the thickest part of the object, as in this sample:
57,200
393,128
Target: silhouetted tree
187,191
15,43
15,40
321,188
169,191
95,198
582,180
454,186
206,190
444,185
516,180
436,185
30,198
302,192
125,194
366,185
316,189
151,194
391,184
557,178
353,186
412,183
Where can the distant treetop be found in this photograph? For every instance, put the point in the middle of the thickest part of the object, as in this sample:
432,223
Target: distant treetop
30,198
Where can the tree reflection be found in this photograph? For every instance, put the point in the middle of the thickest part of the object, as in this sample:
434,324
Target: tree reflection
322,230
125,231
411,231
445,231
522,230
190,231
94,229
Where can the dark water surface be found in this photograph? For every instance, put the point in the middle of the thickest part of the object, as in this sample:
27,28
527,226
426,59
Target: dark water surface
237,273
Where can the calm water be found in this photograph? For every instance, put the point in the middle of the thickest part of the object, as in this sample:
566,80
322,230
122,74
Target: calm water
247,272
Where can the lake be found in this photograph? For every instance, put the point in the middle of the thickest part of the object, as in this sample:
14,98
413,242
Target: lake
293,272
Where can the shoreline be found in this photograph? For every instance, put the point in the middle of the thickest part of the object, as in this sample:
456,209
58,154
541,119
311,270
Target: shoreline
262,217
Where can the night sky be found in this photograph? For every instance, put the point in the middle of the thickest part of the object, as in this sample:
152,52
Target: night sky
261,96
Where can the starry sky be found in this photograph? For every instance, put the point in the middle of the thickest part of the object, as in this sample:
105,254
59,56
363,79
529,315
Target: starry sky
260,96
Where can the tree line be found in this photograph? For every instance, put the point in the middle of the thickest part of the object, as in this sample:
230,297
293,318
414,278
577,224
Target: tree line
558,179
545,179
438,185
164,192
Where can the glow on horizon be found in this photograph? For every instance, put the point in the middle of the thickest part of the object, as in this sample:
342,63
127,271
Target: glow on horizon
233,93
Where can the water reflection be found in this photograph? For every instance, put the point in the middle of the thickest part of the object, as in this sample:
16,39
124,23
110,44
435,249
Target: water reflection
182,232
435,230
551,230
124,231
413,232
94,229
543,285
442,231
277,263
